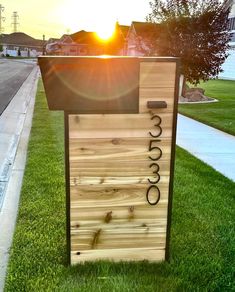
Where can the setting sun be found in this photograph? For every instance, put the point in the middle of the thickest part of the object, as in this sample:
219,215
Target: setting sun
105,31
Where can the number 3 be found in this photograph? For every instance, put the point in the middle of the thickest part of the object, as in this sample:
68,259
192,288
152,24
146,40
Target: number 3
157,125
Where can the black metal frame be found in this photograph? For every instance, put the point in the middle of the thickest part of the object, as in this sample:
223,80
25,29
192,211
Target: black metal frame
172,162
67,184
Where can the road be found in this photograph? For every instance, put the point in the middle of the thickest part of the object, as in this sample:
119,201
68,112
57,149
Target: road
12,75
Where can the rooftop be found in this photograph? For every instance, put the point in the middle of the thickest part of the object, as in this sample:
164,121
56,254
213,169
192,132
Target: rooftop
84,37
142,28
20,38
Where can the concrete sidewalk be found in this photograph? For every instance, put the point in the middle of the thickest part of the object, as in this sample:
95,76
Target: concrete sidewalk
15,126
210,145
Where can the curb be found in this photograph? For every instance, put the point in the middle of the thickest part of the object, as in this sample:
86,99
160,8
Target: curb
15,166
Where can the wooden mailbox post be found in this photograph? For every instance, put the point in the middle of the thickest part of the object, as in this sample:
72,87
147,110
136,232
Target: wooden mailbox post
120,129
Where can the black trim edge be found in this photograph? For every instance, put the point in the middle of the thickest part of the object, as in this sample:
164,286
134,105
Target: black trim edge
172,164
67,182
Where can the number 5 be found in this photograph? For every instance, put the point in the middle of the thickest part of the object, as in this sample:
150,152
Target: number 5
155,148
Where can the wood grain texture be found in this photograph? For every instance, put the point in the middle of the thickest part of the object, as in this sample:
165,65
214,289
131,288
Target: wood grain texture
116,255
110,173
153,74
98,238
121,121
114,223
128,211
84,196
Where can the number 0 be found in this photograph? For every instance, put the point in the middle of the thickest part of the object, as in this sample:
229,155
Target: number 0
157,195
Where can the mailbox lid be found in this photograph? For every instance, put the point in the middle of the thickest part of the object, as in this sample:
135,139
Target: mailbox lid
91,85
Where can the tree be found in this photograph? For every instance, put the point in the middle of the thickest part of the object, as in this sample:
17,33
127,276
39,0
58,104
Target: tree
195,31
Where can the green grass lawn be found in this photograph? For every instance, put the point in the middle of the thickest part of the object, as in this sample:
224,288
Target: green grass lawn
220,115
203,228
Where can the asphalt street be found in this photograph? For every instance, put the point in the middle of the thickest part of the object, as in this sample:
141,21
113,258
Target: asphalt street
12,75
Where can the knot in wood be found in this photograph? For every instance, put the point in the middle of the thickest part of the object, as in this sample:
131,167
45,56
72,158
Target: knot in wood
108,217
131,209
116,141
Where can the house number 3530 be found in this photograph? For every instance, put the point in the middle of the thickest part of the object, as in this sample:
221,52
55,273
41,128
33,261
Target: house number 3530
153,193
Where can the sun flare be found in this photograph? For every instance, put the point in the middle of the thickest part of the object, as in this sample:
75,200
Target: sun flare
105,31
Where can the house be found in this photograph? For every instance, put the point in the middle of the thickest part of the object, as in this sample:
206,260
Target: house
137,38
88,43
123,30
81,43
78,44
229,65
63,46
20,44
84,43
51,45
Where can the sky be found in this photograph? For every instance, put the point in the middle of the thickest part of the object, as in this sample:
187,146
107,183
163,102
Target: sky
53,18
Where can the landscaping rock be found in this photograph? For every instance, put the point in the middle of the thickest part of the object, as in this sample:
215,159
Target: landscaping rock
183,99
194,95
